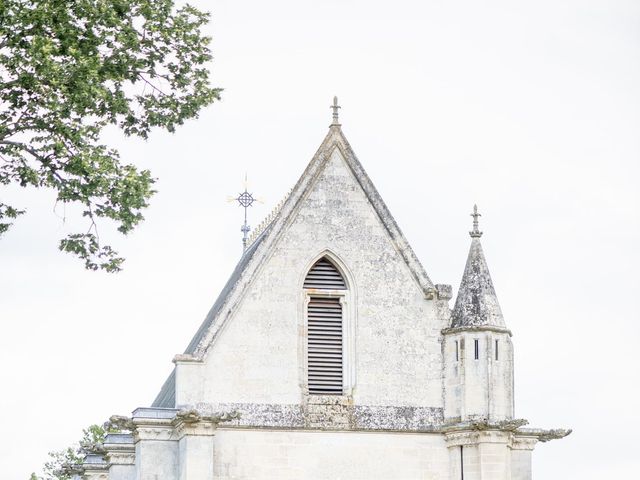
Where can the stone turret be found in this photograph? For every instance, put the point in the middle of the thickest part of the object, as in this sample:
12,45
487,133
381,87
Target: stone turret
478,349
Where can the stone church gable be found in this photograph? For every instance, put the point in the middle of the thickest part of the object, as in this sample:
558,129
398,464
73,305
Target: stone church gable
335,190
335,142
249,348
356,370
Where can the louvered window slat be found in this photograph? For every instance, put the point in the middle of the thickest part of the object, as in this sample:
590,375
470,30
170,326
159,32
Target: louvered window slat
324,331
324,346
324,275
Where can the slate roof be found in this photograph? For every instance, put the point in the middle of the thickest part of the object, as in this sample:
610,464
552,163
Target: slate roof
477,303
217,306
167,396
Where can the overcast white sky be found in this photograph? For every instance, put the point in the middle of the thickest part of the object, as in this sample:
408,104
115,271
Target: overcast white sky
530,109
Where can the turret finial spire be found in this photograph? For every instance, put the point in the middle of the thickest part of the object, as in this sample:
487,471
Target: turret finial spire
475,233
335,107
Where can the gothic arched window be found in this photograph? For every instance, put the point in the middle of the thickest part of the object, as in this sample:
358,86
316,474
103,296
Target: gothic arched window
325,288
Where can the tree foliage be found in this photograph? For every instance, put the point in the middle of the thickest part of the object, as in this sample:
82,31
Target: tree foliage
61,463
71,68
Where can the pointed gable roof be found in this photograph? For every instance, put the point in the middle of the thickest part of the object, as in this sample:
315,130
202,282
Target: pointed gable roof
477,303
259,250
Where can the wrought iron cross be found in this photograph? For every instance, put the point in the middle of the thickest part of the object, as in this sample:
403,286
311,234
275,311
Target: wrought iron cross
246,200
475,233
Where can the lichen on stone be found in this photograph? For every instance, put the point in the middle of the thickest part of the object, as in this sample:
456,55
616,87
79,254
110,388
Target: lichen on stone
477,302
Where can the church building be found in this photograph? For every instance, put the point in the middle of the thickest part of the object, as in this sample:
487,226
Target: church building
330,354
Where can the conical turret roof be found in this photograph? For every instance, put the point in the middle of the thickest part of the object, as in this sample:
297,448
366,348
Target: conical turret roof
477,303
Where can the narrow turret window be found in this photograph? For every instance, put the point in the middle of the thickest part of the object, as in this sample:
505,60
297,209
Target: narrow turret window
496,349
476,349
324,329
457,351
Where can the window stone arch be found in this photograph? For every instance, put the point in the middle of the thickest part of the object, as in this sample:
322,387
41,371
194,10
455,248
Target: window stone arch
328,329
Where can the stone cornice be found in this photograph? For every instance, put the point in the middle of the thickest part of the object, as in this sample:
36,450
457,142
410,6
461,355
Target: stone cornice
191,422
181,358
95,468
476,328
154,432
459,433
484,424
474,437
119,449
455,439
523,443
121,457
337,414
153,424
167,424
95,474
481,431
322,413
544,435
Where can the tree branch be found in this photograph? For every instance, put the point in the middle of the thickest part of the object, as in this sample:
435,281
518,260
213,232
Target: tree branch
38,156
151,84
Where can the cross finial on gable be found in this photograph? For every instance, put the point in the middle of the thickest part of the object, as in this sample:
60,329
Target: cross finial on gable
335,107
475,233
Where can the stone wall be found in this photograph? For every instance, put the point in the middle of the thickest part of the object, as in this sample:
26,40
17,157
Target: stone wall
266,454
478,388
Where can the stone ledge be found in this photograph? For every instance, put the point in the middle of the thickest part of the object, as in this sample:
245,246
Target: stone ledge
94,459
328,400
476,328
329,417
157,413
515,427
544,435
118,438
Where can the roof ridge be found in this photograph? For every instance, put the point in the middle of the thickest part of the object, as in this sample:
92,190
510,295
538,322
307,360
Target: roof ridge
389,222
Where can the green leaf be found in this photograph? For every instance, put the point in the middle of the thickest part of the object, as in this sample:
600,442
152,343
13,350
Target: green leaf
70,69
